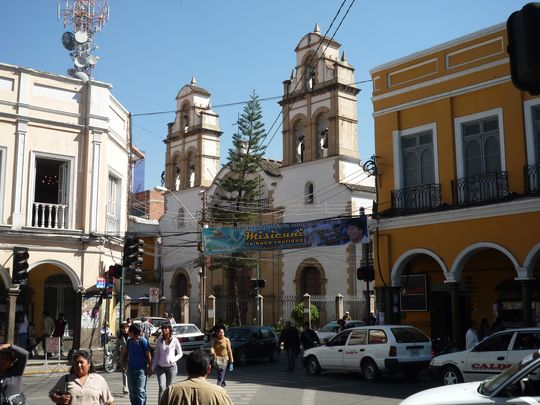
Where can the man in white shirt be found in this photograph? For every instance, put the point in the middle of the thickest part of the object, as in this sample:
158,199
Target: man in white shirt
471,337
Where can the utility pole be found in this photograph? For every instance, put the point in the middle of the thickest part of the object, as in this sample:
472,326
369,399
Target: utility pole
202,260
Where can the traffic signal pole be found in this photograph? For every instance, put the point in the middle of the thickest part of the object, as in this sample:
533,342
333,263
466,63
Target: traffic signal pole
121,307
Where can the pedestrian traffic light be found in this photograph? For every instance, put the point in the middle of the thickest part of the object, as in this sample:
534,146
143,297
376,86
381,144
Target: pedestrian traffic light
116,270
257,283
523,29
109,282
20,265
365,273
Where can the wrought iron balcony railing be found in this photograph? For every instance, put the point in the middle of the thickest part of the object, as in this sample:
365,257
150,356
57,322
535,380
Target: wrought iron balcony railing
532,179
425,197
481,189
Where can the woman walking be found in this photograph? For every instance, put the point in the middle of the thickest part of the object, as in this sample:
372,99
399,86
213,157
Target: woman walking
121,343
168,351
82,386
221,349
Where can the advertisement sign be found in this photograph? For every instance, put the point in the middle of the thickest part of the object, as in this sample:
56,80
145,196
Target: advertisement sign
100,282
325,232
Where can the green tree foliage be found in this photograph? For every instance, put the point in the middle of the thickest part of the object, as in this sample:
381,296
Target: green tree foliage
238,192
297,314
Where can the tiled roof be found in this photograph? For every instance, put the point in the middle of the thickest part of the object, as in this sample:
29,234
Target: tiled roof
271,167
358,187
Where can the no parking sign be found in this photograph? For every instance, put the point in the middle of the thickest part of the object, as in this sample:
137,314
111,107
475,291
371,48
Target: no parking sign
154,295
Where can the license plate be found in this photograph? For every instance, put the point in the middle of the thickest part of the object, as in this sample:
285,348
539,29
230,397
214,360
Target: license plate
415,352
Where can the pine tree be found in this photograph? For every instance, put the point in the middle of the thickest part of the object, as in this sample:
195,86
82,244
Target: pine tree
239,190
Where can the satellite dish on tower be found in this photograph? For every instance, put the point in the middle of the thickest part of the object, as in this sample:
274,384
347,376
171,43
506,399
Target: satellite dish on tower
68,40
80,61
81,37
92,60
82,76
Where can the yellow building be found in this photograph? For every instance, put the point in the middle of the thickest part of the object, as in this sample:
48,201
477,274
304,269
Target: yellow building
458,159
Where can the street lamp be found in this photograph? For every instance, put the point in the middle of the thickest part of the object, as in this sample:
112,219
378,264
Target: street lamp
202,224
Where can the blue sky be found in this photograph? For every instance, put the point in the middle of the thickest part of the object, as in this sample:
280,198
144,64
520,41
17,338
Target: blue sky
150,49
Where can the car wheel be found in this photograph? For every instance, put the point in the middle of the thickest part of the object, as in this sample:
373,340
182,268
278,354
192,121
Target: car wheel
241,359
370,370
312,366
274,356
451,375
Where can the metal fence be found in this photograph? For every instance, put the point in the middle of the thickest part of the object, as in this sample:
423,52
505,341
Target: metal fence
277,310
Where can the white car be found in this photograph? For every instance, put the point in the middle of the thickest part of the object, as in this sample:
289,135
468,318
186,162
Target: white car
519,384
373,350
331,329
189,336
491,356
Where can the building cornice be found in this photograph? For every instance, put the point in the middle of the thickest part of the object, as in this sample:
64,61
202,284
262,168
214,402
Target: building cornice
515,207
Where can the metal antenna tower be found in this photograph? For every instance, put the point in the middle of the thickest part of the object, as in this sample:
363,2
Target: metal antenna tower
85,17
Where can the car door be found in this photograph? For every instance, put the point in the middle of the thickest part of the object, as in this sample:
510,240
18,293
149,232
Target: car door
268,342
525,343
488,357
355,349
255,347
332,354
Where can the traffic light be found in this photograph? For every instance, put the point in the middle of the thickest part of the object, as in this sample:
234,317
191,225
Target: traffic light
365,273
109,282
524,48
257,283
133,252
116,270
137,276
20,265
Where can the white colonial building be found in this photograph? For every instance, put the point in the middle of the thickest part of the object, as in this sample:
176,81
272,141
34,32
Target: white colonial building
64,178
319,177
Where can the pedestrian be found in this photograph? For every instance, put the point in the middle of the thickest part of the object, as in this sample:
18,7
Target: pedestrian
309,338
498,326
471,337
223,357
22,329
340,325
82,386
121,342
167,352
196,390
146,328
129,321
138,359
214,330
291,343
12,363
171,319
484,330
47,331
347,316
59,330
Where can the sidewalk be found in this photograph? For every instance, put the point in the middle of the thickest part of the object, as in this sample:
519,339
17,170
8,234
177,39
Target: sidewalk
37,366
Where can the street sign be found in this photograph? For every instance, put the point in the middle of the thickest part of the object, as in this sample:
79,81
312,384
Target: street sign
154,295
100,282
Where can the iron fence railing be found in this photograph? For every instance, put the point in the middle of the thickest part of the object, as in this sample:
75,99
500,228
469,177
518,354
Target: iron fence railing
532,179
484,188
424,197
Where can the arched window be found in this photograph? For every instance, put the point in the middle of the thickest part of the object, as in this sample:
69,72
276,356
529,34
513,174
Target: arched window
299,139
309,77
184,118
321,146
311,281
59,297
191,169
308,193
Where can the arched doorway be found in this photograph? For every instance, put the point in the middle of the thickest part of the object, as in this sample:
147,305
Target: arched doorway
311,281
59,297
179,288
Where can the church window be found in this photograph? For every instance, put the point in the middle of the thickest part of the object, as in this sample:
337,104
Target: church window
321,147
299,139
309,193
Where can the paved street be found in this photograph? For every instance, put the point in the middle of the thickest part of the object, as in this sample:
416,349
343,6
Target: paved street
264,383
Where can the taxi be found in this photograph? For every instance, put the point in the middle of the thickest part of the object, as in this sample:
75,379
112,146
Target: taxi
373,350
488,358
518,384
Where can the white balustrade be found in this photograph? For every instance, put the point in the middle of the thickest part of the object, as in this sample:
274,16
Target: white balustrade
50,216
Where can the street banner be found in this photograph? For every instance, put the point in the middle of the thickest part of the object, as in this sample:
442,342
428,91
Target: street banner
324,232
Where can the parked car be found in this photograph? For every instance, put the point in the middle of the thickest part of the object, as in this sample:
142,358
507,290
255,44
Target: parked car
519,384
189,335
331,329
373,350
488,358
155,321
249,342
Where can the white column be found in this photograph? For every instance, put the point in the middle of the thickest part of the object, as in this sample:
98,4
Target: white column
96,161
17,215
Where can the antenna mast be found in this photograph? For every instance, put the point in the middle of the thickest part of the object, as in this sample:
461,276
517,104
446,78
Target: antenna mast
85,17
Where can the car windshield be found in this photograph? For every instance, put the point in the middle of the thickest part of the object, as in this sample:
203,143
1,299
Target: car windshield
329,327
409,335
490,386
240,335
183,329
156,322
